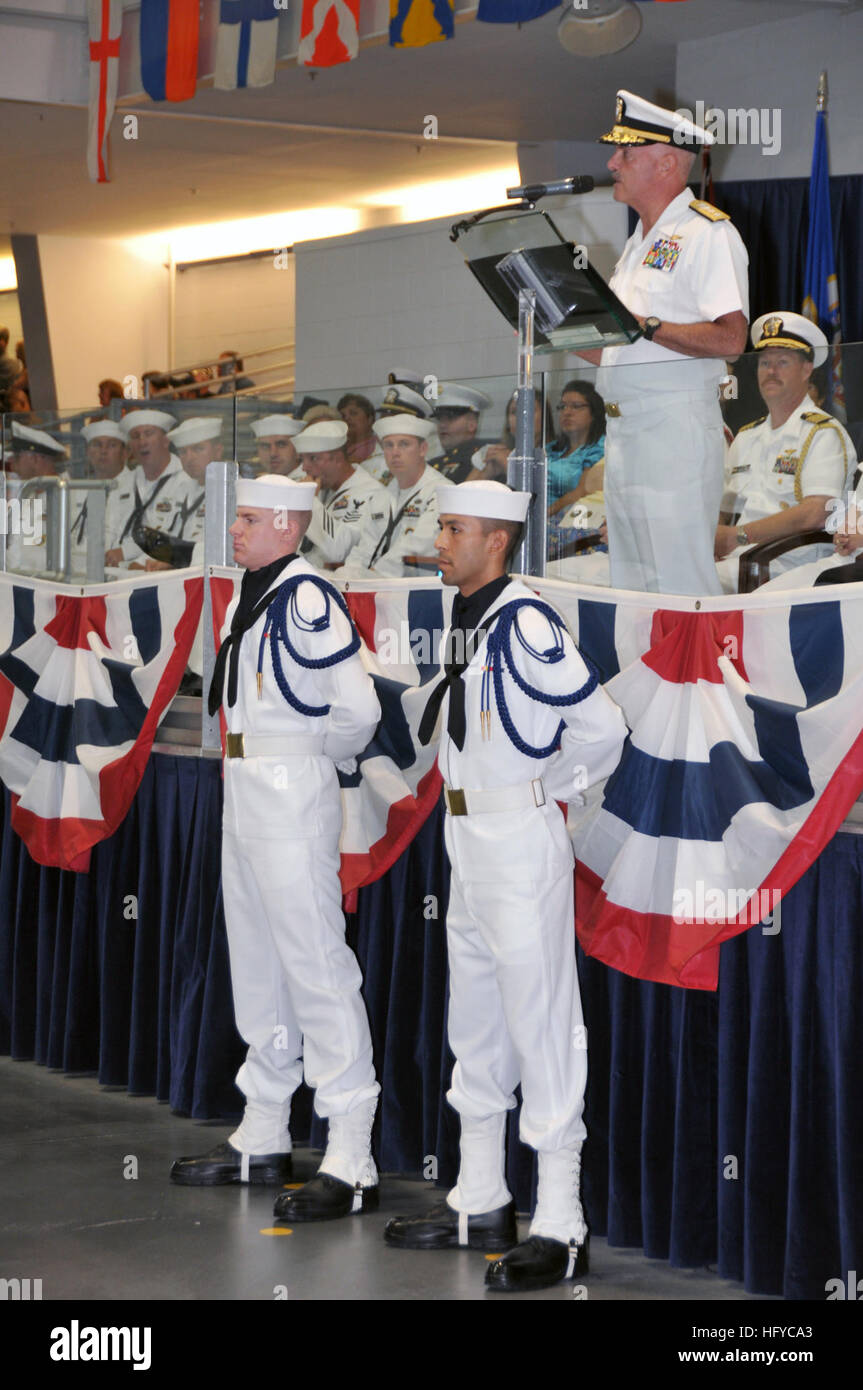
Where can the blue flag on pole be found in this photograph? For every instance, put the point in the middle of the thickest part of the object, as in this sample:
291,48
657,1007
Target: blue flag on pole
820,286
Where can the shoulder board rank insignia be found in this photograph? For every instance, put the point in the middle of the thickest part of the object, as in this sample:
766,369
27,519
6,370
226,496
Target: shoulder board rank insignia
753,424
709,211
817,417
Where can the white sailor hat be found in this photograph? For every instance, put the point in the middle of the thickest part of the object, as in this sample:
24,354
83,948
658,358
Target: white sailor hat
160,418
640,122
403,424
398,399
406,376
453,396
102,429
274,490
27,440
276,425
784,329
479,498
322,437
195,430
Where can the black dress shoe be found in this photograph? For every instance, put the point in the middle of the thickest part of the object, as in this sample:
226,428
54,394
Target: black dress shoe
438,1229
223,1165
537,1264
324,1198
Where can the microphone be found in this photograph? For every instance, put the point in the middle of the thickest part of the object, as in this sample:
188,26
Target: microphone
578,183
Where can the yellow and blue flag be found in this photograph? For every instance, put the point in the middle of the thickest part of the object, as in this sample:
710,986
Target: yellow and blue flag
414,23
820,286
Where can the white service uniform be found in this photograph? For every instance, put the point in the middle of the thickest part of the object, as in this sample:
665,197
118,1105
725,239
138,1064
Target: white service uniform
769,470
296,983
664,451
357,510
515,1009
411,530
168,504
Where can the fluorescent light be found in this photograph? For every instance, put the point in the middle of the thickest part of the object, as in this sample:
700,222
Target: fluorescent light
8,278
211,240
442,197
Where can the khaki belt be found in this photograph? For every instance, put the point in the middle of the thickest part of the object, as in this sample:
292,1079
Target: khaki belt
461,801
277,746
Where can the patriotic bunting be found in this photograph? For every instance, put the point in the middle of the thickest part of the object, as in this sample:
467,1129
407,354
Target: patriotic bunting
104,22
329,33
246,44
84,680
414,23
169,48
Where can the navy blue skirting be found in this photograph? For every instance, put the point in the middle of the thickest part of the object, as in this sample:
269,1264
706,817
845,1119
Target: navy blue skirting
724,1129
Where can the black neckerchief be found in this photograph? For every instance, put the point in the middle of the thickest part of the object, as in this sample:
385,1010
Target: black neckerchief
466,615
140,507
255,599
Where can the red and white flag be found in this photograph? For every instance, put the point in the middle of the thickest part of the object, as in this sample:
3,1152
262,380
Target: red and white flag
105,20
329,33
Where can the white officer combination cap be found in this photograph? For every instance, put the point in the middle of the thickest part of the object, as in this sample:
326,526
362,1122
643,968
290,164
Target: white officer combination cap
640,122
403,424
783,329
276,425
102,429
27,440
196,430
398,399
479,498
453,396
322,437
405,375
274,490
159,418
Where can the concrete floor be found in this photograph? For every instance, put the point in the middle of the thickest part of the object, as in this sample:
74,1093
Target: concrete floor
69,1217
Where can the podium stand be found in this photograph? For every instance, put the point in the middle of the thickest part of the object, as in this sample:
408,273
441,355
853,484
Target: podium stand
546,288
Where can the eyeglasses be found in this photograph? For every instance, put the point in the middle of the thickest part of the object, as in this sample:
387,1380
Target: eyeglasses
572,405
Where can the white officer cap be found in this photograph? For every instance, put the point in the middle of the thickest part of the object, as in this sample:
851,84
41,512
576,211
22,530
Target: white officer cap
276,424
160,418
196,430
322,437
784,329
404,375
640,122
398,399
403,424
27,440
102,429
453,396
479,498
274,490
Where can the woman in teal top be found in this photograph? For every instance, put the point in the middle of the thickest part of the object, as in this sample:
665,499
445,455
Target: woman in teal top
580,443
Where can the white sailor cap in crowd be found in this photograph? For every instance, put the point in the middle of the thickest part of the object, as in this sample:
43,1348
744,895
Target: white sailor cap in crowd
270,425
102,429
27,440
479,498
196,430
398,399
403,424
404,375
453,396
784,329
640,122
160,418
274,490
322,437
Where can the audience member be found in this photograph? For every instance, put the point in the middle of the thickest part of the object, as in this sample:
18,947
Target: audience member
275,435
349,507
579,445
358,414
109,390
229,363
456,413
490,462
413,526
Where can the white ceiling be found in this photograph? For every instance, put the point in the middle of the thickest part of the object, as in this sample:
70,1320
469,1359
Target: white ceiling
237,154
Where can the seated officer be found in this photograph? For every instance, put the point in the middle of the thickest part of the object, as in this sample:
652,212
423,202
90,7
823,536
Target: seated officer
412,529
456,414
785,468
275,436
349,505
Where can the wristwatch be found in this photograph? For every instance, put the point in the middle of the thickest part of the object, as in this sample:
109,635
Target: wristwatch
650,327
742,538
